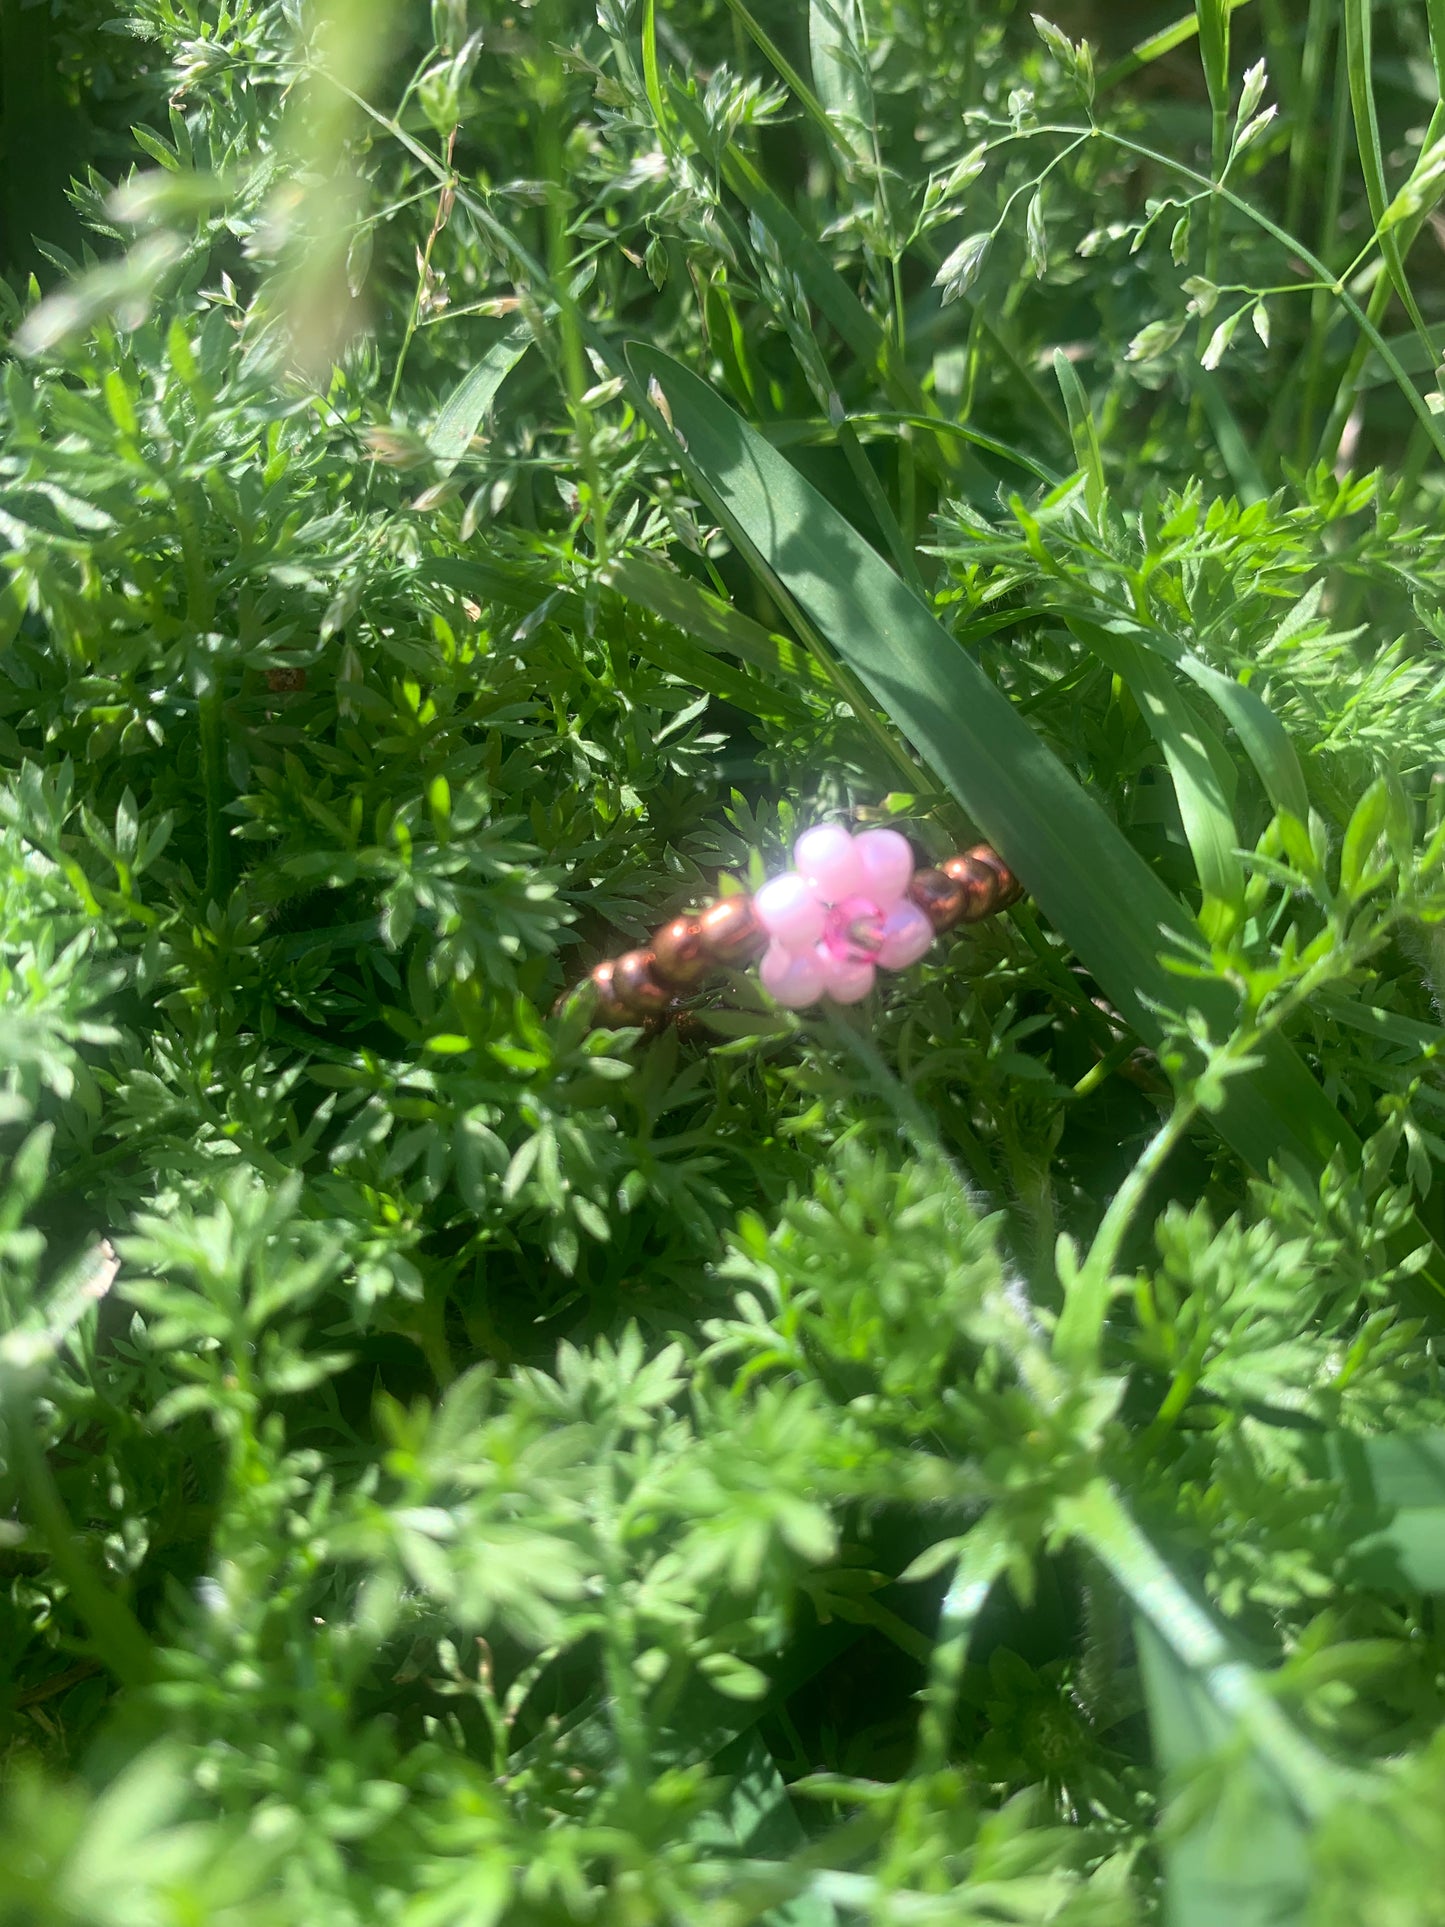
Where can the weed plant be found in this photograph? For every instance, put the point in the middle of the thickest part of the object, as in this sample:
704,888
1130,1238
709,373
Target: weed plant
473,482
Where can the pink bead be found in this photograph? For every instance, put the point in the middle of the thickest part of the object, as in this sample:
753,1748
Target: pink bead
887,862
907,933
791,978
790,910
845,982
854,930
826,856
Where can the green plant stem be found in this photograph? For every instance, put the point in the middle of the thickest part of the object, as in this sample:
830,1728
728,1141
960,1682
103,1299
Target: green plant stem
1302,130
1098,1073
213,781
1346,393
1182,171
899,543
907,465
1079,1337
979,1564
1099,1517
1329,218
1114,1227
120,1643
419,294
550,97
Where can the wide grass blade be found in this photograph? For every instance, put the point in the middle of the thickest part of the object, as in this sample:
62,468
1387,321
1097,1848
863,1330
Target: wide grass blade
1085,876
1236,1852
1396,1485
1198,765
708,620
461,414
755,1820
1262,735
835,49
1239,1850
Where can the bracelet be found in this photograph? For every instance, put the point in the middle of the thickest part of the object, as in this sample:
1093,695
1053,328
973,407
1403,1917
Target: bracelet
850,906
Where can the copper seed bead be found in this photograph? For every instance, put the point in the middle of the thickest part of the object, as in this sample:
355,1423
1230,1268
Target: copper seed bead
939,898
635,986
979,882
730,932
1009,887
677,954
610,1012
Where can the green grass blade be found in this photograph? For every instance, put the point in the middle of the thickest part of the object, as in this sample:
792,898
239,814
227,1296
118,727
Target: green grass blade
1199,769
1213,18
1262,735
1155,47
829,293
710,621
989,444
495,582
835,49
755,1819
1243,1860
1414,355
650,75
1229,437
785,70
1396,1485
1082,872
1082,432
696,653
461,414
1359,24
825,287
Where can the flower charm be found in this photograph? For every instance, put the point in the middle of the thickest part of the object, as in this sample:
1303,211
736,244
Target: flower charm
841,912
853,902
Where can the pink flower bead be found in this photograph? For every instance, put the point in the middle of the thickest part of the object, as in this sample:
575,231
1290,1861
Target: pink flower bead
827,858
792,978
843,910
887,863
790,910
846,981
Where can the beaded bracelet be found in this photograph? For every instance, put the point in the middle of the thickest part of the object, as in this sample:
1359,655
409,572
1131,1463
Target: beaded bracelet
851,905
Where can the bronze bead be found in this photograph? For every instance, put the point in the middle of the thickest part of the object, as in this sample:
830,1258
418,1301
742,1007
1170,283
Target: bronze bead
635,987
979,882
939,898
677,954
610,1011
1009,887
729,932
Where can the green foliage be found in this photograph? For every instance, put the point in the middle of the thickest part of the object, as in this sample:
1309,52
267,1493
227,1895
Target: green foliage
474,483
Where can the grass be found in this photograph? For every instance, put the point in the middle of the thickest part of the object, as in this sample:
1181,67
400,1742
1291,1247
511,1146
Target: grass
474,484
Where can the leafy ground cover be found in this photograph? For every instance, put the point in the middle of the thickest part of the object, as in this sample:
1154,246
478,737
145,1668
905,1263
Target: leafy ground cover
472,480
